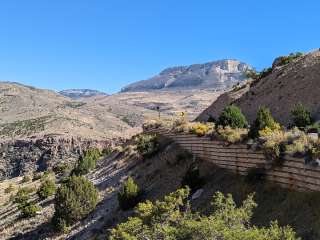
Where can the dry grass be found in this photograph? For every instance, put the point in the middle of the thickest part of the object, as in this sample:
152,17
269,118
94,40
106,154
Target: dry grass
230,135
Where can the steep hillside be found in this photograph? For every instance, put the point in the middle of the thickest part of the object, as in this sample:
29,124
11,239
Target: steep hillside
81,93
285,86
218,75
158,176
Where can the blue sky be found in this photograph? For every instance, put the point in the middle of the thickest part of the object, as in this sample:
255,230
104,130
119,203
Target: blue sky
109,43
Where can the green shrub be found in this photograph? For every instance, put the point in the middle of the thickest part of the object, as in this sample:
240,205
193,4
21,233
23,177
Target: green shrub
87,162
232,116
75,199
22,199
147,144
47,189
173,218
129,195
192,178
107,151
22,195
264,120
301,117
315,127
287,59
29,210
62,169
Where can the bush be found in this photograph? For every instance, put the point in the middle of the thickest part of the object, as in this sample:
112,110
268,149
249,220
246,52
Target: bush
87,162
230,135
315,128
192,178
233,117
258,75
129,195
201,129
147,145
264,121
22,195
298,143
313,152
63,169
75,198
287,59
107,151
301,117
47,189
173,218
29,210
22,199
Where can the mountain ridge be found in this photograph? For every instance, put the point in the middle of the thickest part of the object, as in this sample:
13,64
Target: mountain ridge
220,75
76,93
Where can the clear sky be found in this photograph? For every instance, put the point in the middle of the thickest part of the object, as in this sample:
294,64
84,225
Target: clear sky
104,45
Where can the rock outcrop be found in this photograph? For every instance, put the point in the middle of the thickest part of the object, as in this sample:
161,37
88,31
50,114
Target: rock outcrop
215,75
19,157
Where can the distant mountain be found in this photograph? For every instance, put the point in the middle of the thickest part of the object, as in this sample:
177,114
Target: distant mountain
81,93
218,75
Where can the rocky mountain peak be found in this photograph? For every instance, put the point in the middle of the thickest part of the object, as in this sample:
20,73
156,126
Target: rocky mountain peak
220,74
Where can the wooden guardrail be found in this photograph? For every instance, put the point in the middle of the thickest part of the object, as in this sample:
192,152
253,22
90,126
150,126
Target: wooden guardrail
292,174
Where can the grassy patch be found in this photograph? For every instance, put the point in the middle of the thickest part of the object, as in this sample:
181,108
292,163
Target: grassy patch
24,127
74,104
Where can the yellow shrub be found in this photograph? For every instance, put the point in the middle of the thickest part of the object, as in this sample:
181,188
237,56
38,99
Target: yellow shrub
201,129
231,135
270,130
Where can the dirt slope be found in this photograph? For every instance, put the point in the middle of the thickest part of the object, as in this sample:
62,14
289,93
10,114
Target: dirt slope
298,81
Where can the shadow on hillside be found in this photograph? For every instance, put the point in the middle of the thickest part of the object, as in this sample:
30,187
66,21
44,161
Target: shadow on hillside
43,231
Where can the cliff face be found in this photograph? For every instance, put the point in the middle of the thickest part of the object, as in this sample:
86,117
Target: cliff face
218,75
18,157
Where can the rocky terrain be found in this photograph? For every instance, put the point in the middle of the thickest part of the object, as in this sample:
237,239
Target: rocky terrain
81,93
26,156
158,176
285,86
217,75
